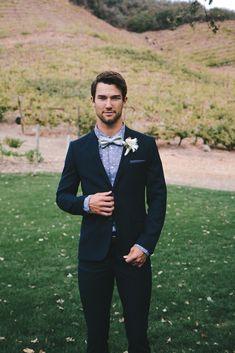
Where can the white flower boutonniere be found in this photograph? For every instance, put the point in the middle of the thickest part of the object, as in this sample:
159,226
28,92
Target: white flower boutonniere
130,145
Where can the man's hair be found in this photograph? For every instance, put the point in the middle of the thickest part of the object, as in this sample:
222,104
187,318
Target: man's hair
110,78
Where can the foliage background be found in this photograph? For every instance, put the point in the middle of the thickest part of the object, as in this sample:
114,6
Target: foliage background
181,83
152,15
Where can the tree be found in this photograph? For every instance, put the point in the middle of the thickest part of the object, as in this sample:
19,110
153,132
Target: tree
144,15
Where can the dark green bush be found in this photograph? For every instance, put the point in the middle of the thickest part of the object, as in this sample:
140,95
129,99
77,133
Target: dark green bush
8,153
34,156
144,15
3,109
13,142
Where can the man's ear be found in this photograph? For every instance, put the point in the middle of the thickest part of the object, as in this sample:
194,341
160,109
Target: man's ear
125,99
92,100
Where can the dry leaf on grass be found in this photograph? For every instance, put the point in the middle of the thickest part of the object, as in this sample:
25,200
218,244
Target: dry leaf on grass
28,350
35,340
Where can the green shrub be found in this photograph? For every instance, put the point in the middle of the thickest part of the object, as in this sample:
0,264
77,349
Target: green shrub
140,22
86,121
154,131
222,135
215,133
34,156
3,110
13,142
8,153
182,134
152,15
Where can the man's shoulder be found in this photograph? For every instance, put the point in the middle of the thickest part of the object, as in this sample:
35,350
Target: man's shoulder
81,140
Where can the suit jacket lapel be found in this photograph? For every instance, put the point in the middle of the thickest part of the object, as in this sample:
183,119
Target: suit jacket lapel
95,157
124,162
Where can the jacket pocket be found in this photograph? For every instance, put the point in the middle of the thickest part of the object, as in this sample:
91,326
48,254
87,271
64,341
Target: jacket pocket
137,161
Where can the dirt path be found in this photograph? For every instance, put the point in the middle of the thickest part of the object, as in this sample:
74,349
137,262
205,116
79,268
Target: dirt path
185,165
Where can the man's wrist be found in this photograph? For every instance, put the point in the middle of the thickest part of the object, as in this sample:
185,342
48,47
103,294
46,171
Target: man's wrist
86,207
145,251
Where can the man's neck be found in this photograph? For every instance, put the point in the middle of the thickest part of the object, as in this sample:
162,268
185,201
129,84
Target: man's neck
109,130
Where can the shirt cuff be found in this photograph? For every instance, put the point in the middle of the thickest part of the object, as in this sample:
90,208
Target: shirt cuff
145,251
86,207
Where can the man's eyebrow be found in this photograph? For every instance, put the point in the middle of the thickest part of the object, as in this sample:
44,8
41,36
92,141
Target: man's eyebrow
114,96
101,95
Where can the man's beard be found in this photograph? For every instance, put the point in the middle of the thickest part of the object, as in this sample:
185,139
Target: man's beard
111,121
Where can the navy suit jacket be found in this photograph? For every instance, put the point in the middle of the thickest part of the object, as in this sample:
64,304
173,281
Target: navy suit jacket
139,194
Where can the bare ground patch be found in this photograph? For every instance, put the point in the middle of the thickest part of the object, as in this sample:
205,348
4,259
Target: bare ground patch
185,165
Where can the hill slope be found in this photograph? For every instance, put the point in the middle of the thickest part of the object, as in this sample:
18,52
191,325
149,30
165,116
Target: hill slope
180,82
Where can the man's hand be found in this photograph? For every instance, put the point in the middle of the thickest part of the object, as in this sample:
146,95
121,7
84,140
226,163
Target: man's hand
136,257
102,203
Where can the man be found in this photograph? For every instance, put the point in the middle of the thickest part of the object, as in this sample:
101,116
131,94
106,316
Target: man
117,168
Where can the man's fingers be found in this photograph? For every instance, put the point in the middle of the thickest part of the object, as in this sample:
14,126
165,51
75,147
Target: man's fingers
106,209
107,202
102,203
106,214
135,262
130,258
108,198
105,205
136,257
106,194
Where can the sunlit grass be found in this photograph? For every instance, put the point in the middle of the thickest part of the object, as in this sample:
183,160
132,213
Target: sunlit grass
192,307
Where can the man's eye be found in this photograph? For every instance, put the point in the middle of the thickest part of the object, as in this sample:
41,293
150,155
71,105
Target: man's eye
116,98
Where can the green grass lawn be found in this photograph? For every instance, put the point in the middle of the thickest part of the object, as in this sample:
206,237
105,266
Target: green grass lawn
193,273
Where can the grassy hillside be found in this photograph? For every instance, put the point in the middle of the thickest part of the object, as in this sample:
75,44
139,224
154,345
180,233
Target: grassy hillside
180,82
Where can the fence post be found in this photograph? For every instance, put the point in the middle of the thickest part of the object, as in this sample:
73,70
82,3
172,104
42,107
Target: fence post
21,115
37,141
78,121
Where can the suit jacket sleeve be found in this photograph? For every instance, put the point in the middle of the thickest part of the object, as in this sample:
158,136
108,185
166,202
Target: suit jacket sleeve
66,196
156,200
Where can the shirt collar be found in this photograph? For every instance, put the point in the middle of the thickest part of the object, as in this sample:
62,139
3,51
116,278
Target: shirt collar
120,133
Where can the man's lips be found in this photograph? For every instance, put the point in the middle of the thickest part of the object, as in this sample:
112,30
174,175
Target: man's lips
109,113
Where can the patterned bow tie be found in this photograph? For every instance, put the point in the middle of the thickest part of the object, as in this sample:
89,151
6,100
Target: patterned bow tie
106,141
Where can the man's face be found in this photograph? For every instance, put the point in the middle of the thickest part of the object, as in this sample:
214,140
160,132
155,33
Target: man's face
108,103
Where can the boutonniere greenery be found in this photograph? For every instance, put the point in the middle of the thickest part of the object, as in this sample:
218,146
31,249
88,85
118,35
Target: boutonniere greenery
130,145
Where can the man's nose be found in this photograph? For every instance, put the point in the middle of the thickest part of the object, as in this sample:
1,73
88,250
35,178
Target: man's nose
108,103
